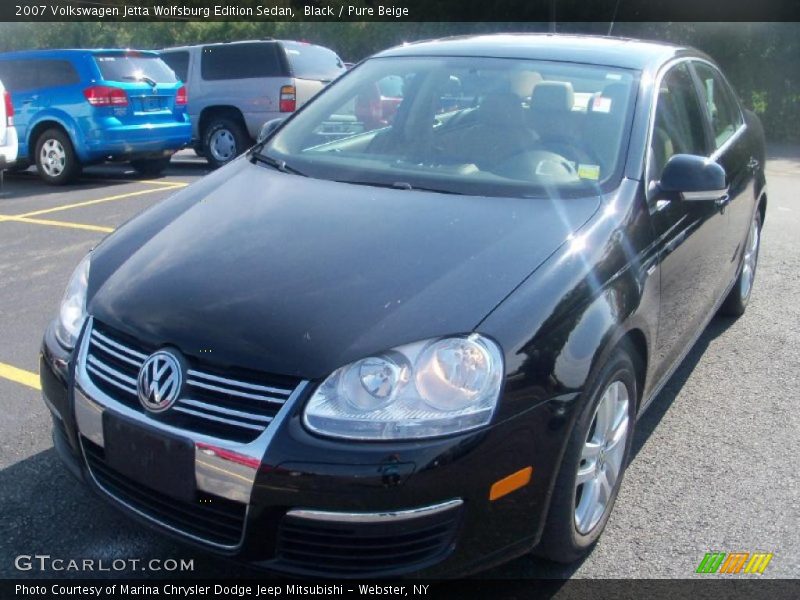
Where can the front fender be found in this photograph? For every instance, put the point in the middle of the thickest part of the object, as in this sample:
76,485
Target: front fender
561,323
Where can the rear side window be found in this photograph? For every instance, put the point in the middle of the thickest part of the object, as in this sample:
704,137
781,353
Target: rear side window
313,62
720,103
241,61
134,67
178,62
22,75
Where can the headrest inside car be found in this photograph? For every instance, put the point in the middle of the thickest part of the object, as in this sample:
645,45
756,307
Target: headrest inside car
552,96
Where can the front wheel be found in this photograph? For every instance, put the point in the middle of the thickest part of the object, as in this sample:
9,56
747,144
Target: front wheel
594,462
736,302
150,167
56,159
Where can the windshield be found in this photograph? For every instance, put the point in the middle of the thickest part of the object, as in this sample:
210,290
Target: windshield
134,67
483,126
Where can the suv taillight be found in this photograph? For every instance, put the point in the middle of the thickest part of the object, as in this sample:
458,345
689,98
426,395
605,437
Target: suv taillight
9,108
181,97
288,101
105,95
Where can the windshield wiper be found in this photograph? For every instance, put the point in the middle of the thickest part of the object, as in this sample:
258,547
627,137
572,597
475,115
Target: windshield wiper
401,185
145,78
275,163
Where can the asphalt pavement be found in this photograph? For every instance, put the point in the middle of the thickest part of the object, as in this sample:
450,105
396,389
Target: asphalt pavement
715,458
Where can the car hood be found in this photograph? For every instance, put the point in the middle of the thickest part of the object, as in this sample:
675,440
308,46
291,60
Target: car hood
297,276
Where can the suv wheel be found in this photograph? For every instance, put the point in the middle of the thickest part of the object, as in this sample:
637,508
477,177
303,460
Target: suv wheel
150,166
224,140
55,158
593,464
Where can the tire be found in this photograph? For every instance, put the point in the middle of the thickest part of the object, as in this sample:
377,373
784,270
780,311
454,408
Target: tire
55,158
736,302
150,167
572,526
223,140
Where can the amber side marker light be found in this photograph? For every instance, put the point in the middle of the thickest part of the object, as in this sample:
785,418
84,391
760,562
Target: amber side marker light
506,485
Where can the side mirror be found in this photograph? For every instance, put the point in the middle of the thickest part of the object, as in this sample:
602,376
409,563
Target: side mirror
270,127
694,178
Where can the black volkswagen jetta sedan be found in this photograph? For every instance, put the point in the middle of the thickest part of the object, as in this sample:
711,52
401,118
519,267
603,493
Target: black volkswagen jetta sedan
413,334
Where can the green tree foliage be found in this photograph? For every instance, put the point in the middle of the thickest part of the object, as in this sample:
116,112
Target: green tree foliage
762,60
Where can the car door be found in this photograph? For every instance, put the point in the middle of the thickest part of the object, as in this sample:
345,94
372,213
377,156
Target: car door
733,152
689,233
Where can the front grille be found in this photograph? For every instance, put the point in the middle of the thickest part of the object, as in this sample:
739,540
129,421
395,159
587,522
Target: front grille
209,519
326,547
233,406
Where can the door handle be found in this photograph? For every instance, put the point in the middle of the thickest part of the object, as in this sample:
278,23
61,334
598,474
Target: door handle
753,164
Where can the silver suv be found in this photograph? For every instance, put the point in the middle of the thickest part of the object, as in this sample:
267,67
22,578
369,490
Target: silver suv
234,88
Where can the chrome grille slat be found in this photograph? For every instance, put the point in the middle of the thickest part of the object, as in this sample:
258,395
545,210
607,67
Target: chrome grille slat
111,371
236,383
233,409
97,335
233,392
119,355
203,415
94,371
224,411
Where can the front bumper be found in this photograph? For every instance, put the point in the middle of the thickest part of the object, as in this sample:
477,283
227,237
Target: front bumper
296,503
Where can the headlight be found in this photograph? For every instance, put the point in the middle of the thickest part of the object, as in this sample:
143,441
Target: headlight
72,313
425,389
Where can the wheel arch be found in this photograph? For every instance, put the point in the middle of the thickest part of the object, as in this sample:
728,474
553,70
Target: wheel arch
50,122
222,110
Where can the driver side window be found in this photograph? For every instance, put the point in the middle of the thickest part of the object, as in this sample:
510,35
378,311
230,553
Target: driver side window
678,127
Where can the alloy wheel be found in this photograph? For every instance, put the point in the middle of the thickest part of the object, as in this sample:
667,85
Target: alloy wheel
53,157
750,259
600,465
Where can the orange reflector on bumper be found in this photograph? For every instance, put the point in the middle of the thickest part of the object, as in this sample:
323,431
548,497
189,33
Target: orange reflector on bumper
508,484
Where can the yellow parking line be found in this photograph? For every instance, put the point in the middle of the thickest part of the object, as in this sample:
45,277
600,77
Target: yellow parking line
174,185
20,376
67,224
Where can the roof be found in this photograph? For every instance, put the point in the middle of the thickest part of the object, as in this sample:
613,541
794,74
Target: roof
70,52
600,50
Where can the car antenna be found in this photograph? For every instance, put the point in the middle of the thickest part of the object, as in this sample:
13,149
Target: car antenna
613,18
552,27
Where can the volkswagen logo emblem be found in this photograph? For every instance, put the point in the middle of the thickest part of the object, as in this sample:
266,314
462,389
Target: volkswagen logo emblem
159,381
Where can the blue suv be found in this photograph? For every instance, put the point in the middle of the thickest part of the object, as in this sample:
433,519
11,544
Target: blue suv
77,107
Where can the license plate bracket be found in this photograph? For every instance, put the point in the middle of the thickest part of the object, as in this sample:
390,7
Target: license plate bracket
152,458
150,104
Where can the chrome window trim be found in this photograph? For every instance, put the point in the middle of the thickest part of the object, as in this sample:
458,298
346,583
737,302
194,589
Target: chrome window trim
373,517
662,72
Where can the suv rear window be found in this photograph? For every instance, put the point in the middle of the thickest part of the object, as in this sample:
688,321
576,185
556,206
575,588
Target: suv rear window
178,62
241,61
313,62
134,67
22,75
